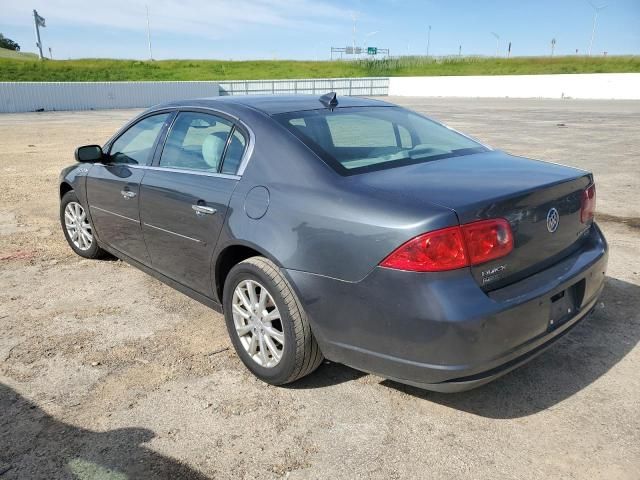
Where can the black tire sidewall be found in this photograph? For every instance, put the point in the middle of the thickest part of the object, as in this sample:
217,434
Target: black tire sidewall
282,372
92,252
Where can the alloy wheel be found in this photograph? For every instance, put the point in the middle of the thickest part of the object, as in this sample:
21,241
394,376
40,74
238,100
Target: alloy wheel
258,324
78,226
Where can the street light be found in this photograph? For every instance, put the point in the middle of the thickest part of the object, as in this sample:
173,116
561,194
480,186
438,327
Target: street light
354,16
596,10
497,43
428,40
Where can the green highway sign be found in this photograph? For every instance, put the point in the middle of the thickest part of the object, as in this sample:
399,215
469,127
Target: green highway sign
372,50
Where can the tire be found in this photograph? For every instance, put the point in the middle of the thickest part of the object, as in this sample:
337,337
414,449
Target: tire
300,354
81,245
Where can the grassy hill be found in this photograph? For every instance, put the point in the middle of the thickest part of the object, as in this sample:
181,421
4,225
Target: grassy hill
94,70
5,53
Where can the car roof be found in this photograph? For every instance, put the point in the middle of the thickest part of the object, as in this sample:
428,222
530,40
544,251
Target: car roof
275,104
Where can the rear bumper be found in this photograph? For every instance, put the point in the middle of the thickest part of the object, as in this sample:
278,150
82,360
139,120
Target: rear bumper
440,331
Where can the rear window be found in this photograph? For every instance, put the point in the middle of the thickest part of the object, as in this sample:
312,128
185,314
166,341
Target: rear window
357,140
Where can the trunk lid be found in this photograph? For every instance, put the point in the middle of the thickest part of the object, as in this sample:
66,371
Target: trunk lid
495,184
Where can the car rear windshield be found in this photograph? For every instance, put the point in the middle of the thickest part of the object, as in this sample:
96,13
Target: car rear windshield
362,139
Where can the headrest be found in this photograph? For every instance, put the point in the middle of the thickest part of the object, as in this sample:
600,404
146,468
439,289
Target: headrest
212,149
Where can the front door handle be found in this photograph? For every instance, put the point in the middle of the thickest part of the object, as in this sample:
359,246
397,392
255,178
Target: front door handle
127,194
202,210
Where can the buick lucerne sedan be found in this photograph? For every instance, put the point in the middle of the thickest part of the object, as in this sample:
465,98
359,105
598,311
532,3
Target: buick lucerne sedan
348,229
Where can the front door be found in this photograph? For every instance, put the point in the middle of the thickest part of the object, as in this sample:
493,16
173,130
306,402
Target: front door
113,188
184,199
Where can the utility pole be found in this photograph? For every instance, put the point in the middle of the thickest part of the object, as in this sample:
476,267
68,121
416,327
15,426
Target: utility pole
553,45
428,40
509,51
38,22
50,53
497,43
459,50
149,33
596,11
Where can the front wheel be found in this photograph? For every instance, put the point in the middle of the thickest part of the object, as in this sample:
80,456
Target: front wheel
267,324
77,227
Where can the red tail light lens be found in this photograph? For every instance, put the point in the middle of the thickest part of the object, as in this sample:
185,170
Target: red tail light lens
431,252
588,209
453,247
487,240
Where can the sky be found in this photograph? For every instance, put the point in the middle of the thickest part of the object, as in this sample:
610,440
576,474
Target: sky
307,29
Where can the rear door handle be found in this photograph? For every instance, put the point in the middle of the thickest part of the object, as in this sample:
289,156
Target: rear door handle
202,210
127,194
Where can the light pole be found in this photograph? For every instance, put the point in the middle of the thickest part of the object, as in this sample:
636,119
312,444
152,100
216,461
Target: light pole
428,40
149,33
596,10
497,43
353,38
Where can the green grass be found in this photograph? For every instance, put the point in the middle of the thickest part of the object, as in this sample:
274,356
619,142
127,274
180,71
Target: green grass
94,70
5,53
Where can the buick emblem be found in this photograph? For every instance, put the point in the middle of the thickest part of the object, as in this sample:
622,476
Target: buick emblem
553,220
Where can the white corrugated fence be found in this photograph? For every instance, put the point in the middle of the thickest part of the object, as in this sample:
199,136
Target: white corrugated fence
39,96
45,96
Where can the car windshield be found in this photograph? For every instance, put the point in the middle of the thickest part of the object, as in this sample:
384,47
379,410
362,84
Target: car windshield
356,140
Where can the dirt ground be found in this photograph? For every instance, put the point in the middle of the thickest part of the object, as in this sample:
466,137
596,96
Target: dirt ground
105,373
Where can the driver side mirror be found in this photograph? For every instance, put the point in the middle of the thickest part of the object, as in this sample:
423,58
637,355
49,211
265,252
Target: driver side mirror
89,153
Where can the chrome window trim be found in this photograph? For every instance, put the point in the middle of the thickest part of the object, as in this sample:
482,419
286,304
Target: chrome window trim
113,213
172,233
173,169
246,156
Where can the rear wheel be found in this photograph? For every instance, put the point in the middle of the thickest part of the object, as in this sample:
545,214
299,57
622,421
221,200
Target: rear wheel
267,325
77,227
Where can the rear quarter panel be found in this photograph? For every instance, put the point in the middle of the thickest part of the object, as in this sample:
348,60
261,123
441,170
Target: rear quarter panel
316,220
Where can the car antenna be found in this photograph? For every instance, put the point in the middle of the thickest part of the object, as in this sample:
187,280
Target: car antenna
329,100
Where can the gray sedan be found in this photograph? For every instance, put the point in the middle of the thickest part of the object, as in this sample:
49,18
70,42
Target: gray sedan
345,228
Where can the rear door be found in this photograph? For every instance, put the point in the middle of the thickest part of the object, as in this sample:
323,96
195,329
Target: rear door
184,196
113,187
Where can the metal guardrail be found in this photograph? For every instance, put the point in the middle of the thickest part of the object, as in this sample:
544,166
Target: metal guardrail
370,86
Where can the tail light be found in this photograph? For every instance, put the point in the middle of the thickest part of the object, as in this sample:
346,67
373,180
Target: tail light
487,240
453,247
588,209
431,252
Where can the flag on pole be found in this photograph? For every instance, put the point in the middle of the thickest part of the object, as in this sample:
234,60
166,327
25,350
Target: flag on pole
39,19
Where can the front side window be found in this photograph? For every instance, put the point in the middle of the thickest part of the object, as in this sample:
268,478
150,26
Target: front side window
357,140
136,144
198,141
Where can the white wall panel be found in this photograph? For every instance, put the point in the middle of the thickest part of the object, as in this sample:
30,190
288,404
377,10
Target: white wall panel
623,86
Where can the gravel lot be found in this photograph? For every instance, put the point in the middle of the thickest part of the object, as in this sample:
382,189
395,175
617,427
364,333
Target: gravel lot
107,373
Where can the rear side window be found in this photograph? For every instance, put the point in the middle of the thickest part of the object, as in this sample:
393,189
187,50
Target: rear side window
357,140
235,150
197,141
135,146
